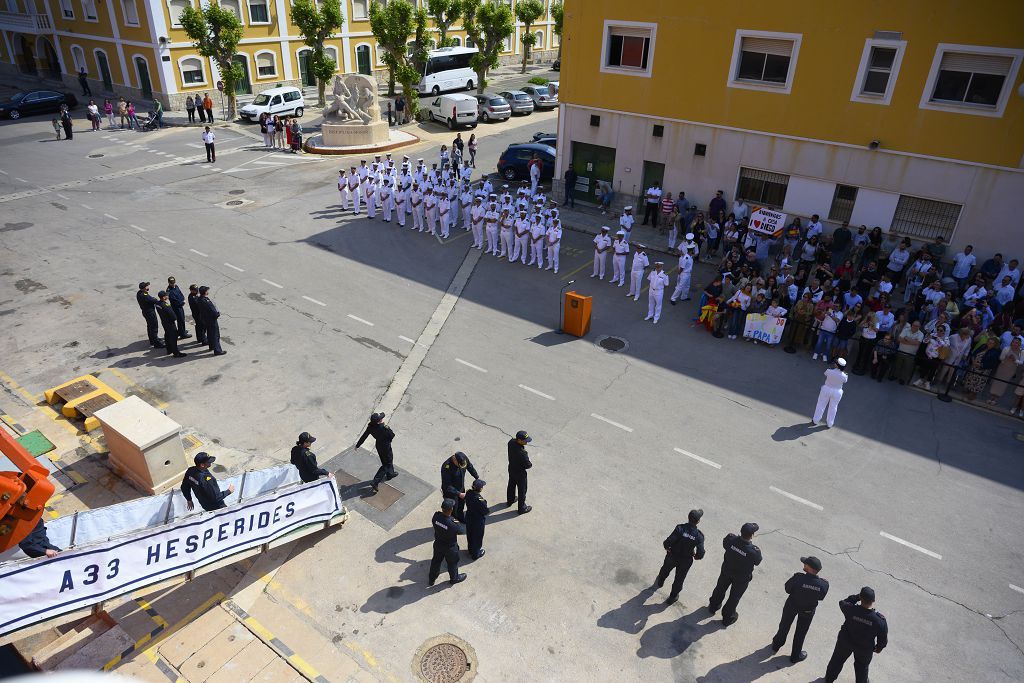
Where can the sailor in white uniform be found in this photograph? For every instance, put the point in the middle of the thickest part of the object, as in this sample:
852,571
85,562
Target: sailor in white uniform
636,275
656,292
831,392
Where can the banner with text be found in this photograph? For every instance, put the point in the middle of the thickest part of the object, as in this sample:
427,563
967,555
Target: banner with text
39,589
763,328
767,222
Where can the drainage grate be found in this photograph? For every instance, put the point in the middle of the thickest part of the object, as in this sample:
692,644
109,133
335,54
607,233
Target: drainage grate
613,344
95,156
445,659
237,192
235,202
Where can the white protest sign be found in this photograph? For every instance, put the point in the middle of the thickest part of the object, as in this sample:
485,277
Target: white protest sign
767,221
764,328
42,588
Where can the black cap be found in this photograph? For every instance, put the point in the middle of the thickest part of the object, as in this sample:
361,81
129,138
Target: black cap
204,289
143,285
695,515
749,529
447,504
867,594
306,437
521,435
203,458
461,458
161,294
812,562
376,417
479,484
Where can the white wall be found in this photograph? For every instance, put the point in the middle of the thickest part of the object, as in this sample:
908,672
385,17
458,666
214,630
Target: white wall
874,207
808,196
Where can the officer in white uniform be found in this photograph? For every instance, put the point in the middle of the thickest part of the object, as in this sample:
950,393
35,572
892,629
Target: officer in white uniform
343,188
602,243
522,238
620,247
416,206
491,220
689,244
363,170
444,208
401,202
476,214
626,221
387,199
656,293
534,176
370,193
537,241
466,203
506,221
682,290
636,275
430,211
831,392
353,190
554,240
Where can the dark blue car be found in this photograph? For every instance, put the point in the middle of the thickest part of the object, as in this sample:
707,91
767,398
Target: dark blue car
513,162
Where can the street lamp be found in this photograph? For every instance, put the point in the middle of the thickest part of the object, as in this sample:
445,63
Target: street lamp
560,306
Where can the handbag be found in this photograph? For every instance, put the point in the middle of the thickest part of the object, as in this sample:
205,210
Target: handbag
944,352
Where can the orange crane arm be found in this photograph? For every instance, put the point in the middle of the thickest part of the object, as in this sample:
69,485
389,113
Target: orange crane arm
23,494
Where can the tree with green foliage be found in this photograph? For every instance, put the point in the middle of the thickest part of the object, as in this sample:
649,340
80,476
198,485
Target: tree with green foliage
392,25
528,12
488,24
216,32
422,42
558,13
445,13
318,21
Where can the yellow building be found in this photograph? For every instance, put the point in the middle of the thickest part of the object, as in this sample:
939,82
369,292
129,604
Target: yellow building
905,115
137,49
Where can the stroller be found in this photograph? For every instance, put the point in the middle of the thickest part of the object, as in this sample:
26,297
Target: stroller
149,123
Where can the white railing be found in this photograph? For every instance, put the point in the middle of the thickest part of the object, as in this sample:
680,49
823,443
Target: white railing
24,21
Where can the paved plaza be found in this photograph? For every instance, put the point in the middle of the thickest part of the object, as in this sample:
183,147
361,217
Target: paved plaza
320,310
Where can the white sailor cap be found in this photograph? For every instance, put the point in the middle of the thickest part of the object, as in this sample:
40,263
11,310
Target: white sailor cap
505,186
605,228
659,263
627,208
621,232
689,236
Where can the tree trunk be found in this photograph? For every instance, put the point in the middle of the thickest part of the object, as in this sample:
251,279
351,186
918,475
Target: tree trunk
231,106
526,55
391,83
321,87
481,80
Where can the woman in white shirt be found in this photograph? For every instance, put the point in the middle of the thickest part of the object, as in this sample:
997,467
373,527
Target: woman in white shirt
959,347
94,115
933,352
866,343
738,304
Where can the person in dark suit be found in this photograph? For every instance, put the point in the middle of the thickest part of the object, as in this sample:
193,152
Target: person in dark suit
37,543
684,545
446,543
805,590
170,324
741,556
195,307
865,633
147,302
476,519
210,314
382,435
305,461
199,480
177,298
518,463
453,481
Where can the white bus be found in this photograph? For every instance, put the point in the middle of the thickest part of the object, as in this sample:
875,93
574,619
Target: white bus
448,68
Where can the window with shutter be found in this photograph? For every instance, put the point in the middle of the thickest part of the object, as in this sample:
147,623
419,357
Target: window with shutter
266,65
628,48
975,79
764,60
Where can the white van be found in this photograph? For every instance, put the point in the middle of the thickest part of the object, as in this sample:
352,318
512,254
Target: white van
286,101
448,68
456,109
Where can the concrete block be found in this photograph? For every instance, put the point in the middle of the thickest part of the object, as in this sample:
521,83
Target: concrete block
216,653
245,665
278,671
183,644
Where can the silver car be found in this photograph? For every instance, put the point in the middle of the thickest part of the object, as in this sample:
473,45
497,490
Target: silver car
542,97
521,102
492,108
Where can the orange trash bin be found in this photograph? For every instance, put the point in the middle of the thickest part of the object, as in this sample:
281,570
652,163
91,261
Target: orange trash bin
576,314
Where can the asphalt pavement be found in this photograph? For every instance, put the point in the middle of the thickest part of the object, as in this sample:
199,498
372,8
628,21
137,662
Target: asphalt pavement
917,498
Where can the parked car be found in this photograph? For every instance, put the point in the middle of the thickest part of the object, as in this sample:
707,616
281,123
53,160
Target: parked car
541,96
520,102
286,101
36,102
556,65
550,139
492,108
454,110
513,164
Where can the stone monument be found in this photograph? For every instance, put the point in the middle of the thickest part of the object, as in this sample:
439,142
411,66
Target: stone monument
353,118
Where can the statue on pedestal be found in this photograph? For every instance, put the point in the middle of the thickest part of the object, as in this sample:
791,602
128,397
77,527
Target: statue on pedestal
355,97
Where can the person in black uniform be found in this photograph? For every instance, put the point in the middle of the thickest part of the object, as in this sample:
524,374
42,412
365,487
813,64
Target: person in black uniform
518,463
209,315
304,459
446,543
382,438
864,633
195,307
37,543
684,545
476,519
741,556
170,325
805,590
199,480
178,306
453,481
148,303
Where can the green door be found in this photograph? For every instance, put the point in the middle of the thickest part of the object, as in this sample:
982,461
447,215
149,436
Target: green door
592,163
306,68
244,85
101,62
653,173
363,60
144,85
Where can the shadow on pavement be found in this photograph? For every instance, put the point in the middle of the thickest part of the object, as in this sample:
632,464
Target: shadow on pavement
748,668
672,638
797,431
632,615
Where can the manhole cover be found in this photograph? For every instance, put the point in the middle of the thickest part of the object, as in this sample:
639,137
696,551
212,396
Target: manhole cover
95,156
235,202
613,344
237,192
445,659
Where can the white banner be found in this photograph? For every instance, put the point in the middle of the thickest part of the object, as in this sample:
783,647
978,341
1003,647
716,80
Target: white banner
767,222
764,328
36,590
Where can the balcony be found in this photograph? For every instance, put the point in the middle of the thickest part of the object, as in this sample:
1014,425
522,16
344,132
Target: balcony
25,22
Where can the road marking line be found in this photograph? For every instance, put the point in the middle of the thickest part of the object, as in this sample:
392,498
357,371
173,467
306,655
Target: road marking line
87,207
412,341
62,196
910,545
113,218
21,180
4,172
688,454
569,275
534,391
798,499
358,319
235,267
318,303
1016,588
198,252
167,239
138,228
611,422
272,284
271,163
194,144
470,365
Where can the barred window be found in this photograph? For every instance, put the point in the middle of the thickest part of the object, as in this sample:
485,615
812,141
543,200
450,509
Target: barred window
925,218
842,203
762,187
